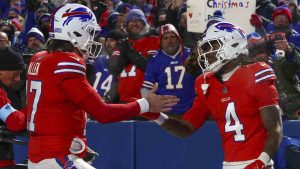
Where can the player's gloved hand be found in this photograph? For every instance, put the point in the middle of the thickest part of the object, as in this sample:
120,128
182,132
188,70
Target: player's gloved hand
257,164
256,20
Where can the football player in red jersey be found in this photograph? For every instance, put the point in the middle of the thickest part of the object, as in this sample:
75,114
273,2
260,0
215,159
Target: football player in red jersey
240,97
58,93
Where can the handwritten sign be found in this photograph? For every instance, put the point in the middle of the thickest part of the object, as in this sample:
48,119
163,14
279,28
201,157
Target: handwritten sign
234,11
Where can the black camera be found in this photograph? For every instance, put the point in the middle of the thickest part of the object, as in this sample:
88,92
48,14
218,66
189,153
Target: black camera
271,38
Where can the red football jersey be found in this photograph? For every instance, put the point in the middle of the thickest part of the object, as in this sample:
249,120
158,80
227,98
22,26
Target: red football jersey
235,106
131,78
58,95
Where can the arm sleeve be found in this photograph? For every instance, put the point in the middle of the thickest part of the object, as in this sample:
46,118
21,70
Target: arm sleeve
15,120
81,93
199,112
264,87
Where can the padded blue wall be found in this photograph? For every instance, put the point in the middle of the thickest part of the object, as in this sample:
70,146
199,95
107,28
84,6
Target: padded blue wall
144,145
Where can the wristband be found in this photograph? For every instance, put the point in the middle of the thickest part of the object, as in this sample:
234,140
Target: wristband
144,105
161,119
264,157
5,111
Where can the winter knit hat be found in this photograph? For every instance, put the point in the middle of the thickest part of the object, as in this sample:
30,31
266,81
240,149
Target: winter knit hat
252,38
136,14
123,8
217,17
171,28
35,32
112,19
282,11
14,10
10,59
116,35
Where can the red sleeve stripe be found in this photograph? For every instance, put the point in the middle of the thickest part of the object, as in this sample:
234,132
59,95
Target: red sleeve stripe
69,71
264,77
263,71
71,64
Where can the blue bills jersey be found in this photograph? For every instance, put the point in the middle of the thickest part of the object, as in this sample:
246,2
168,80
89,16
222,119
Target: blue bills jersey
169,73
103,79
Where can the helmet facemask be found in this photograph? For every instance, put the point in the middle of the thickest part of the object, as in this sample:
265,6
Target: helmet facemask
211,55
87,42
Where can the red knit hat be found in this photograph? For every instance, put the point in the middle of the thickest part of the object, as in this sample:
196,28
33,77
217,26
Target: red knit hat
282,11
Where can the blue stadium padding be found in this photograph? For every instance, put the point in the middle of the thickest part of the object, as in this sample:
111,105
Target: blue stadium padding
114,143
155,148
143,145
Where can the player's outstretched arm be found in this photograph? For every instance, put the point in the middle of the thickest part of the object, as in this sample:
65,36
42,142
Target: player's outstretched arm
176,127
272,122
90,101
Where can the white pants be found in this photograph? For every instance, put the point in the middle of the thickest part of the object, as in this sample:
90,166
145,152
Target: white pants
242,164
72,162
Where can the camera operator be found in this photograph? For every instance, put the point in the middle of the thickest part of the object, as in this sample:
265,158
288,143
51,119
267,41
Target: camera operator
284,58
11,66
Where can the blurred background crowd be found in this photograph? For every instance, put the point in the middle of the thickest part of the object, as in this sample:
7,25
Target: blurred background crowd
133,31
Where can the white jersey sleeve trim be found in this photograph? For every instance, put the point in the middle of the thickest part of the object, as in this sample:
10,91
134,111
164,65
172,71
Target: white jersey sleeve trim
71,64
69,71
264,77
263,71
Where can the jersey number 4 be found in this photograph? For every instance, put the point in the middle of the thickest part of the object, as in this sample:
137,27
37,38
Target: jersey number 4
233,123
37,87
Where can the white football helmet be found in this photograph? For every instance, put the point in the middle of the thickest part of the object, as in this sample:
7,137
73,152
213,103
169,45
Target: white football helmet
224,41
77,24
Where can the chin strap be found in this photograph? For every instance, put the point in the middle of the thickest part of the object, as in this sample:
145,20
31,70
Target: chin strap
204,86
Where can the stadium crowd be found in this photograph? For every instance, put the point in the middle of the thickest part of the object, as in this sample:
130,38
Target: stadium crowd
145,42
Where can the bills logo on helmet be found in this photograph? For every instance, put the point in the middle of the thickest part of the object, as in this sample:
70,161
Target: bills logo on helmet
80,13
230,28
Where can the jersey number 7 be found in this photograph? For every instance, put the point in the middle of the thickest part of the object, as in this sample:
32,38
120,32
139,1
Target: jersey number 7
37,87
